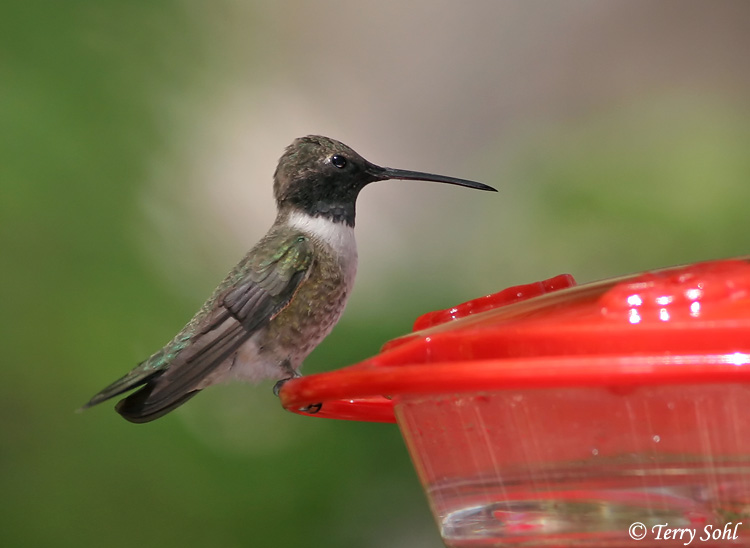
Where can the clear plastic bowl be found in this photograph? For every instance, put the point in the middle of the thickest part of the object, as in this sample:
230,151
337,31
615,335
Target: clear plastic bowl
559,415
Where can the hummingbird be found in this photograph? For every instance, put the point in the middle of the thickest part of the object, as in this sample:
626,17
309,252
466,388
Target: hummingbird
283,298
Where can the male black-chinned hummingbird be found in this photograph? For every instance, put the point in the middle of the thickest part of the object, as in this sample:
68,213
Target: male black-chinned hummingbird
284,296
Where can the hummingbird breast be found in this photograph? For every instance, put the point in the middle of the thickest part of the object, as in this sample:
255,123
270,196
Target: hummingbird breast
315,307
320,300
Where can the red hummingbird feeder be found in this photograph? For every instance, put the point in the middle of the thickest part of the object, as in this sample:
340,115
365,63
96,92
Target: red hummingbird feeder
552,414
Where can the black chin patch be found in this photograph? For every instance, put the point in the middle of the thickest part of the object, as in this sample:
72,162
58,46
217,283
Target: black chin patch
338,213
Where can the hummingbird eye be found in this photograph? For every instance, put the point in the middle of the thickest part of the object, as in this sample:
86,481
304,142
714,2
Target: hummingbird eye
338,161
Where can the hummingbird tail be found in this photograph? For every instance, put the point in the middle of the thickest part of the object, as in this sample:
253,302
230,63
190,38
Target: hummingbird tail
140,407
134,379
180,370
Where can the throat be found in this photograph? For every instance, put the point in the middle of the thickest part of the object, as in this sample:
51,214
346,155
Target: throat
337,235
341,212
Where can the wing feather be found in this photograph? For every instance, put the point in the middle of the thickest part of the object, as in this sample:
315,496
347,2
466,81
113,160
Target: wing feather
257,290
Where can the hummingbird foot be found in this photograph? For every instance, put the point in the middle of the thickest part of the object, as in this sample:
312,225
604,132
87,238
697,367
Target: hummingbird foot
310,409
278,385
293,374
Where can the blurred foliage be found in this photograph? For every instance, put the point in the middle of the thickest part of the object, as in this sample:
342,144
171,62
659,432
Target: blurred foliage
82,88
655,183
651,182
80,82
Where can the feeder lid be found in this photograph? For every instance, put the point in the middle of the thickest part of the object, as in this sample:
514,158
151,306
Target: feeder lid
685,324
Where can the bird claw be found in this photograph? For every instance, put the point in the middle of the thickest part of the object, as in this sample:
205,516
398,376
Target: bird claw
277,387
282,382
310,409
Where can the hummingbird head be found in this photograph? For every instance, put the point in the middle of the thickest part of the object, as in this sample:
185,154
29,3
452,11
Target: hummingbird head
323,177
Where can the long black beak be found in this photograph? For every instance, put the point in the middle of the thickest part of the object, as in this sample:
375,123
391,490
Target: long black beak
385,173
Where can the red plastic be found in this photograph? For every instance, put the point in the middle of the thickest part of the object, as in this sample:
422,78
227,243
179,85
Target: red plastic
695,319
558,415
506,296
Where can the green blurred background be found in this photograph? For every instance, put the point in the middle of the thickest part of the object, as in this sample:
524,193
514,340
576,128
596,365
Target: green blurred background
137,143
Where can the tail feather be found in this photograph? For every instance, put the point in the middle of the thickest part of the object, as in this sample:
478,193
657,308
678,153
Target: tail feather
177,372
140,407
132,380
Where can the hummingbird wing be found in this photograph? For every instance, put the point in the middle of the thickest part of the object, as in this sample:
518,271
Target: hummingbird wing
255,292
